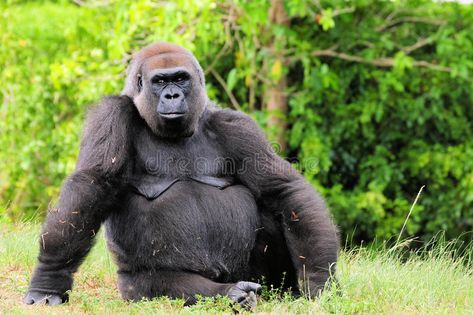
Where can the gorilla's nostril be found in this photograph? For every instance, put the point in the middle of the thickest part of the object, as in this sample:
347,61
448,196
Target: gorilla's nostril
171,96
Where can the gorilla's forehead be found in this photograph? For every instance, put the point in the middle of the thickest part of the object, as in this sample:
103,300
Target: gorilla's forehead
168,60
161,48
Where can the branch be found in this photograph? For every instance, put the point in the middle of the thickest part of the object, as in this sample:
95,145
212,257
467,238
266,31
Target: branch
216,58
410,19
342,11
432,66
227,90
380,62
94,4
419,44
277,13
79,3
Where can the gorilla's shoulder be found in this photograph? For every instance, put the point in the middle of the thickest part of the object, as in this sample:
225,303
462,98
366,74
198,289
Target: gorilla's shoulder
107,137
229,121
235,129
117,101
115,105
112,110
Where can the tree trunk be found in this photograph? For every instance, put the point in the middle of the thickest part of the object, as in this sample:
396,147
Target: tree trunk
276,97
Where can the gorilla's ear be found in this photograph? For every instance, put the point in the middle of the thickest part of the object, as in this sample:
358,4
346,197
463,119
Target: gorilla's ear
133,82
140,82
198,69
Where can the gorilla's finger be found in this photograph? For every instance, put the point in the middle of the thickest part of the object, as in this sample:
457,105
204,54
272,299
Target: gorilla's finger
248,286
53,300
34,298
40,298
28,300
241,298
249,302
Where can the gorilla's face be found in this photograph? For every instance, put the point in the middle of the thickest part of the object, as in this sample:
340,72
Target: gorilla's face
169,89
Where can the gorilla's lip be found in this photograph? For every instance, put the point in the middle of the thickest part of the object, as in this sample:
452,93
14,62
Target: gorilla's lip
172,115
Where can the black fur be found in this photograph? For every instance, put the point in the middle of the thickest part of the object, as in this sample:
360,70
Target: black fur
200,210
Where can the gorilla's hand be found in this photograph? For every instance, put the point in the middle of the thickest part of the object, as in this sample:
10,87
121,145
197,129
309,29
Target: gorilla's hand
244,293
39,298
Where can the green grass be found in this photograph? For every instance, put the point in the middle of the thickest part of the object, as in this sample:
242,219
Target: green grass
381,281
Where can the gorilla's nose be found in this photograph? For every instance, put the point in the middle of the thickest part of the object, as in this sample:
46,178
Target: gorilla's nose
172,104
173,94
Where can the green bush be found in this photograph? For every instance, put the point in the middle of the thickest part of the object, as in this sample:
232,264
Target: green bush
380,95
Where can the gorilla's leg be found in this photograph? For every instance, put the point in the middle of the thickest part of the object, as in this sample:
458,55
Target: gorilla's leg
67,236
186,285
271,258
309,233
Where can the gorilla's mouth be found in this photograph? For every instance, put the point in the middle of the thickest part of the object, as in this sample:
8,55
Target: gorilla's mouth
172,115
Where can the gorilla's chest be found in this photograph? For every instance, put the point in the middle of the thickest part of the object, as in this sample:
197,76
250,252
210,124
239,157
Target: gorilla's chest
191,226
159,164
187,211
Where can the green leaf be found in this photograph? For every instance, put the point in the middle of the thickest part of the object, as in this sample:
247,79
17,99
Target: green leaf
296,133
326,20
232,79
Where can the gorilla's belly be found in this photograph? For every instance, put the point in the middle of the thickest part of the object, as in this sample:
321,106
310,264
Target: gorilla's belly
193,227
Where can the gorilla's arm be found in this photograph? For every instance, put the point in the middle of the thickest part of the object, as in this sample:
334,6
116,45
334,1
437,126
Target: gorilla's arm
309,232
86,198
185,285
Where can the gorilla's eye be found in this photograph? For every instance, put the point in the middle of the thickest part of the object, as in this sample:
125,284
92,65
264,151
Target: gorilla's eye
159,80
181,76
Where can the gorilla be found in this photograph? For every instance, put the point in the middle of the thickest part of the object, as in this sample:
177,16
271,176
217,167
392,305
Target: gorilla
193,198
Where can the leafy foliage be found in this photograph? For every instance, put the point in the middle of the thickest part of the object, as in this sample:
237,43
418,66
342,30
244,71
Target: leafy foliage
380,95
